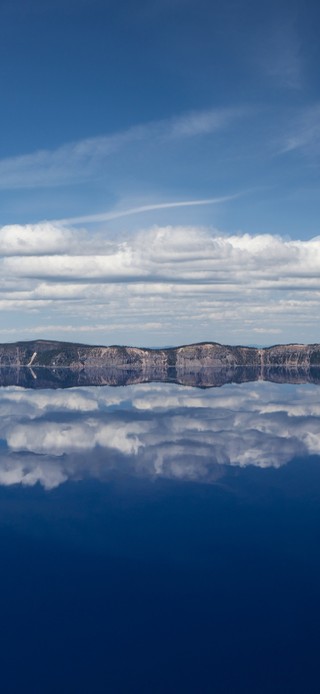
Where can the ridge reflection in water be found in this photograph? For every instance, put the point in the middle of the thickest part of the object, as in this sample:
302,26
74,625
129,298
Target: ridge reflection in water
200,376
157,539
153,430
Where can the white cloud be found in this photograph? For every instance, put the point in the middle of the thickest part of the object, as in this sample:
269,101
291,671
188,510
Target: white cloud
37,239
188,283
170,254
267,331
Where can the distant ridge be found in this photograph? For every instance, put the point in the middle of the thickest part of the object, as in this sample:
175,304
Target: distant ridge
53,353
54,364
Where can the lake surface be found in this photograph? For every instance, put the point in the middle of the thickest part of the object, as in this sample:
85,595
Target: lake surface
158,538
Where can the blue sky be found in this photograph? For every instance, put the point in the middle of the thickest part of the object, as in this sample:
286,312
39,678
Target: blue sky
113,112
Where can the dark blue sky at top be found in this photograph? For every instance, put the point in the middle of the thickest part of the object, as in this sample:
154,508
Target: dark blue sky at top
77,69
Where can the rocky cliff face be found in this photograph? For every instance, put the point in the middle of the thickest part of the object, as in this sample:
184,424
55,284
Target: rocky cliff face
58,364
40,353
61,354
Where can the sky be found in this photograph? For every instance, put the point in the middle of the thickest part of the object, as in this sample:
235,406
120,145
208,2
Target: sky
159,171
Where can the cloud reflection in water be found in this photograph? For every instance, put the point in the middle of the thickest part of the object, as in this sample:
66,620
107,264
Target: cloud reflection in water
153,430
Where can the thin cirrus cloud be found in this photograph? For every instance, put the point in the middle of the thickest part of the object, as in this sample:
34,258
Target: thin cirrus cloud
77,161
108,216
189,283
303,134
281,55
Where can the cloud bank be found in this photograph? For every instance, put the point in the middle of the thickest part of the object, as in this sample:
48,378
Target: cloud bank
157,286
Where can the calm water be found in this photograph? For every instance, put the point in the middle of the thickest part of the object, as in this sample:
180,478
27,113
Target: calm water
160,539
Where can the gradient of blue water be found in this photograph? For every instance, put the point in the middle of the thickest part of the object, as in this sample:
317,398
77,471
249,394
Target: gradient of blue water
131,585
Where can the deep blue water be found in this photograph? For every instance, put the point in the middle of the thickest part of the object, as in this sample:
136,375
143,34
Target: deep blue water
176,550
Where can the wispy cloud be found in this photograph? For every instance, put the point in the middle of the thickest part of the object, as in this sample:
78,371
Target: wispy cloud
283,59
107,216
279,48
78,161
303,133
202,123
